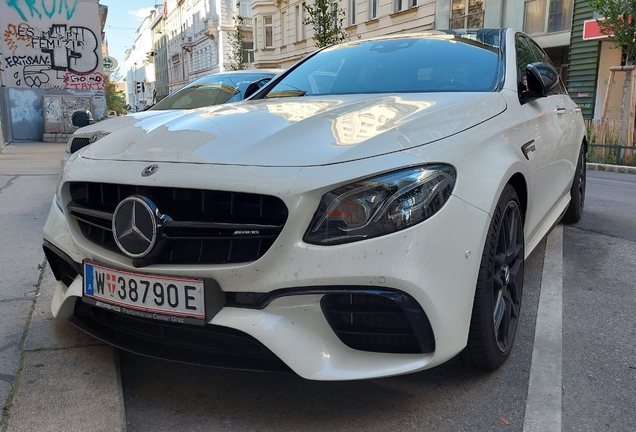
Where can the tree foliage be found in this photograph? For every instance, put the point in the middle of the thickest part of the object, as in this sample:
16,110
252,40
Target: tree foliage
326,18
619,23
115,99
238,52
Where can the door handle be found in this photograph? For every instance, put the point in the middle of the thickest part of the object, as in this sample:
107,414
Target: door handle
561,111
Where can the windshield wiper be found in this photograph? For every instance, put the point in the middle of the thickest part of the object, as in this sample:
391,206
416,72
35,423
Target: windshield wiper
286,93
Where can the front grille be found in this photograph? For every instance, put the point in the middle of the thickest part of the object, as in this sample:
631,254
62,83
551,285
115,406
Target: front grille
206,227
78,144
387,323
207,345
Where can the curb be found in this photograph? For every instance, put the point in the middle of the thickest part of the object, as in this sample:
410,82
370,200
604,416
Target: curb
612,168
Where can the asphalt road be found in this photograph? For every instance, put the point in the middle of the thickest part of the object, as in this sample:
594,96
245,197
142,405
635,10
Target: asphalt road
54,378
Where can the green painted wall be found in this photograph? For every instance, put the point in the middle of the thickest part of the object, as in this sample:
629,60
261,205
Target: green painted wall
584,55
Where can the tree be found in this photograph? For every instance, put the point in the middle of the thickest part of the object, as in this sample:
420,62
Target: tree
326,18
620,25
115,99
238,52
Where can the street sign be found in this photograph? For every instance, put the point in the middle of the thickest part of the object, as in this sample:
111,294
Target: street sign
110,63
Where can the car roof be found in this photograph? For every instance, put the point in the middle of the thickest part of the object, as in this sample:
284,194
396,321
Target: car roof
432,34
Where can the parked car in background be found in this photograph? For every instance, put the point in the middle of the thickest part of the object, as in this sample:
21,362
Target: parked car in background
214,89
367,213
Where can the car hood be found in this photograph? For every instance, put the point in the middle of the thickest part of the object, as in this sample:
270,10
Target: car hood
297,132
144,121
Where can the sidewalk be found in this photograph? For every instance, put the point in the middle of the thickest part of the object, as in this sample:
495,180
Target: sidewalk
612,168
53,377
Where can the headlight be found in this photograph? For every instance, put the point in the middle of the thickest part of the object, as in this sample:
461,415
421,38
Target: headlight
381,205
78,143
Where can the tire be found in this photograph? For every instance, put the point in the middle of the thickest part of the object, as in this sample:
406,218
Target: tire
499,287
577,191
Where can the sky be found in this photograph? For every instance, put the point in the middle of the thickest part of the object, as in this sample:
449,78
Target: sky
123,19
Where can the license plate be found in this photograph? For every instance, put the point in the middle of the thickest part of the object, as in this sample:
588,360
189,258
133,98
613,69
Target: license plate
158,297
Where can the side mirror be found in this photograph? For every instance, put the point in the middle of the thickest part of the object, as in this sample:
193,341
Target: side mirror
255,86
82,118
542,79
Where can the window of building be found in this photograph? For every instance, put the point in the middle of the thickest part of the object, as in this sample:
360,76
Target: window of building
283,38
467,14
301,33
268,34
255,33
400,5
373,9
352,12
547,16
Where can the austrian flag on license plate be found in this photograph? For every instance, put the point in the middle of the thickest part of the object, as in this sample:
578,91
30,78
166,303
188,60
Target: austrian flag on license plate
164,298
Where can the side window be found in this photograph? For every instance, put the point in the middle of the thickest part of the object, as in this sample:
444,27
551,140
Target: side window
525,56
541,56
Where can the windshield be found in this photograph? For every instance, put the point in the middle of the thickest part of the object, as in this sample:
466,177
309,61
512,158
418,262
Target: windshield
441,63
212,90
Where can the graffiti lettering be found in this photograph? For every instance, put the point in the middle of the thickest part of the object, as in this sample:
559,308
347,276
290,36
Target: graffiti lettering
92,81
39,8
39,58
27,60
13,34
35,75
74,50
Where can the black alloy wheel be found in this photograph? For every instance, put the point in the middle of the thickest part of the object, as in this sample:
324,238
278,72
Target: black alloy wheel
577,192
497,304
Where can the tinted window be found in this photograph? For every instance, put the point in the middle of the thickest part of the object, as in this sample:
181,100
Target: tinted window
529,52
525,56
445,63
212,90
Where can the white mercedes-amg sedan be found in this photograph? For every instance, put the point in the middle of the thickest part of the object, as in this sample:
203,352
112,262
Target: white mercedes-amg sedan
366,213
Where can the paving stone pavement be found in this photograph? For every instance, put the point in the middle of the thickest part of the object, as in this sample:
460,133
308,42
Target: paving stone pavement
53,377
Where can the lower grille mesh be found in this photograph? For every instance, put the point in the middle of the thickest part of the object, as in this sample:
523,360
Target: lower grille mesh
377,323
78,144
207,345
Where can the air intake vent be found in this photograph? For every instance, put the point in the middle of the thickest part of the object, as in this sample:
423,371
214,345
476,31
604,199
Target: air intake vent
378,322
78,144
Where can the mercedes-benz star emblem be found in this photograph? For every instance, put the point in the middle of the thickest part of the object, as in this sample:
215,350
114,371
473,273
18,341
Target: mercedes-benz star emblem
135,226
150,170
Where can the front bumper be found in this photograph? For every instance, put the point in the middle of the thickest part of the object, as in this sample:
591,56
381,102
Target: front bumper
435,263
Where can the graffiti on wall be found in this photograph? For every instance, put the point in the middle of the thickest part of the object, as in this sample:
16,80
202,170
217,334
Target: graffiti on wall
43,8
49,55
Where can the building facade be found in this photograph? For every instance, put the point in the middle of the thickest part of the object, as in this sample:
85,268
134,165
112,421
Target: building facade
281,36
181,41
50,66
591,56
140,67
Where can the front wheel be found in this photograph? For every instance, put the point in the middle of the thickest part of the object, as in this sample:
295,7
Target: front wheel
577,191
499,287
